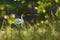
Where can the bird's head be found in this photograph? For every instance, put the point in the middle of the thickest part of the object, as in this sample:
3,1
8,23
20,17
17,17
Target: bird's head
22,14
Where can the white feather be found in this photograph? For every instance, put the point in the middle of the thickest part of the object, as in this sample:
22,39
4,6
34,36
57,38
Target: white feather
19,21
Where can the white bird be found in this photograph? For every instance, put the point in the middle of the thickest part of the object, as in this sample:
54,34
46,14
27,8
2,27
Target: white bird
19,21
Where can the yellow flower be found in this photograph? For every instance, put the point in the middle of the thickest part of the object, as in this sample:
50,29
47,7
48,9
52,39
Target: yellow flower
36,7
46,21
42,21
44,10
22,1
15,0
59,8
6,17
46,16
10,21
56,1
29,6
12,15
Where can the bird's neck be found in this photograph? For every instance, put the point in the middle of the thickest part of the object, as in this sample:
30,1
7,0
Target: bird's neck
21,17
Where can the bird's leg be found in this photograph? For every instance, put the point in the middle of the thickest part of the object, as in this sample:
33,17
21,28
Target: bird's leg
21,25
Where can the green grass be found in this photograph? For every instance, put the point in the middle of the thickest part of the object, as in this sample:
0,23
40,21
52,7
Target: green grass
43,30
39,31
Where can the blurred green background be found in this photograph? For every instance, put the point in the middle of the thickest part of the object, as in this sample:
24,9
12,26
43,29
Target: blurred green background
41,19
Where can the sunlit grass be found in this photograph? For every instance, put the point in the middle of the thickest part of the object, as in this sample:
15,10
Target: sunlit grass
42,30
30,31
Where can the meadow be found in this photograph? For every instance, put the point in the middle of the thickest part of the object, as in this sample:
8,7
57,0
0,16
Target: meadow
43,30
48,29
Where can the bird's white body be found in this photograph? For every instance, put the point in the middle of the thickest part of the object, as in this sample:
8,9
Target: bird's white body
19,21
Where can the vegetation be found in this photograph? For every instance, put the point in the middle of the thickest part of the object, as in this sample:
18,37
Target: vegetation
48,29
